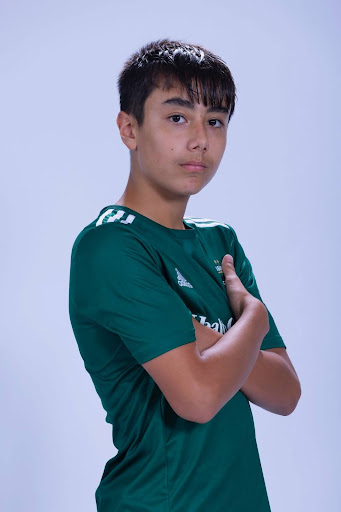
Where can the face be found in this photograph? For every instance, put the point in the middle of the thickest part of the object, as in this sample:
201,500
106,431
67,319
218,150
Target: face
174,132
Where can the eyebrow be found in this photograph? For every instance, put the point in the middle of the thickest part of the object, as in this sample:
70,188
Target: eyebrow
181,102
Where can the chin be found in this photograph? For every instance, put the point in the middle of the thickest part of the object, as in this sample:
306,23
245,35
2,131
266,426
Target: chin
193,188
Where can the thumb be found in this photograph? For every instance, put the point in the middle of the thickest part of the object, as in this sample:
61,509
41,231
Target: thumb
227,263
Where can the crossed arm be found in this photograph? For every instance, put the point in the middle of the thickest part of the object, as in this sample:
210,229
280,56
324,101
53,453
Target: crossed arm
273,383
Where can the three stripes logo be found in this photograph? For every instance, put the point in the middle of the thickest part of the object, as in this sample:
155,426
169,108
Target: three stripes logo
111,216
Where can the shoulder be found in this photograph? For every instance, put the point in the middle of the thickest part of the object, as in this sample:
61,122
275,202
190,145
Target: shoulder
107,238
206,224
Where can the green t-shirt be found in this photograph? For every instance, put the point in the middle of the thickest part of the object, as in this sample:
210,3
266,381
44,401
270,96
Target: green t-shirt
134,287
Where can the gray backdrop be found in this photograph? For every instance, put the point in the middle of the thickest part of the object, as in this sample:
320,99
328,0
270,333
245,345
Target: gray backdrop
62,160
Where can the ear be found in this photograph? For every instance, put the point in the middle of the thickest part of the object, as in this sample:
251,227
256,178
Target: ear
127,127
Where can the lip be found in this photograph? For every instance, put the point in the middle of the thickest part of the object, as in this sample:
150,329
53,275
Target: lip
194,166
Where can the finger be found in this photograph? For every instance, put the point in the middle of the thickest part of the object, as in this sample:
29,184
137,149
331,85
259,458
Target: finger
227,263
228,258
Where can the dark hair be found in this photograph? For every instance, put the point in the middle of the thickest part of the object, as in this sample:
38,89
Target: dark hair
161,63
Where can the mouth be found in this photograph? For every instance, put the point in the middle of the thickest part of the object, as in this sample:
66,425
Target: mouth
193,166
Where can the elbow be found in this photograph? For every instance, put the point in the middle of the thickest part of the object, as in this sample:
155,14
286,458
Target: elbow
294,400
205,417
197,416
201,413
198,410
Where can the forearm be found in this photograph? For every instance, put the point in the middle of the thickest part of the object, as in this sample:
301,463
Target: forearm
272,384
228,362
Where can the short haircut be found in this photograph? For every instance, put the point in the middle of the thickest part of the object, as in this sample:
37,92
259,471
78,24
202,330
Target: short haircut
165,63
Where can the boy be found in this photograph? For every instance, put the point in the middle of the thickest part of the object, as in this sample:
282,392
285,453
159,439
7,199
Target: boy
172,330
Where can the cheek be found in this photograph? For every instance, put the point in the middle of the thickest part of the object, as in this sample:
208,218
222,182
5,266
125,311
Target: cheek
217,148
150,148
162,149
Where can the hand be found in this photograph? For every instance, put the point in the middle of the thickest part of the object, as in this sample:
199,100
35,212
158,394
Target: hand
205,336
237,294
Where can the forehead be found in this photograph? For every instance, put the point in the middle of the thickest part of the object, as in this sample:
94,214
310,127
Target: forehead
176,89
177,95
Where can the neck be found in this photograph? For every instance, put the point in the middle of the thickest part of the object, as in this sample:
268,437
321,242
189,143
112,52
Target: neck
165,211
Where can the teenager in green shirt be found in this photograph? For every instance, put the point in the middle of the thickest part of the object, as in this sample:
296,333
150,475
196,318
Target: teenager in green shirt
172,331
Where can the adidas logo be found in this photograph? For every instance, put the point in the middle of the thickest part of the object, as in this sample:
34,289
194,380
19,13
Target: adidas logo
181,280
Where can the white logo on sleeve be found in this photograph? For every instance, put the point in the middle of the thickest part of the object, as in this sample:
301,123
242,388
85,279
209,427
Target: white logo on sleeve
181,280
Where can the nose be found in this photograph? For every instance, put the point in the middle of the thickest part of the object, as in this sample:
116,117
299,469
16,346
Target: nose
198,136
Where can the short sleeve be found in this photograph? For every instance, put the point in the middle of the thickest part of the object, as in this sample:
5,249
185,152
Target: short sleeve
245,273
115,282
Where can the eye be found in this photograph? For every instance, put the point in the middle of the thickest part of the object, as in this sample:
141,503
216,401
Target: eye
176,115
221,123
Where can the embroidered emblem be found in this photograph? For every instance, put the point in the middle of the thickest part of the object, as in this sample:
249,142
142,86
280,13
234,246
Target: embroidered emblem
219,269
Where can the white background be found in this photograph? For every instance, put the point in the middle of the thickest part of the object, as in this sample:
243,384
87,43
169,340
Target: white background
278,185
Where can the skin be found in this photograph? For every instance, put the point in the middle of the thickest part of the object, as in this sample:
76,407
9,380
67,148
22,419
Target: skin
158,186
